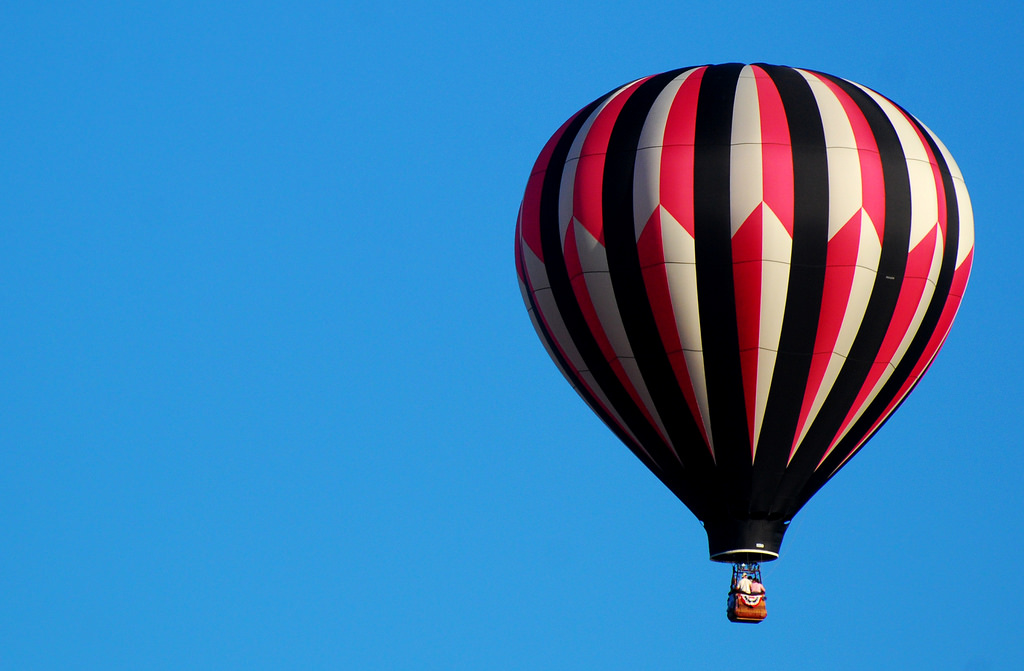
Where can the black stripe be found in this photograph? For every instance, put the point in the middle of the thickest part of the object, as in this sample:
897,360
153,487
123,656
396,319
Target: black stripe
665,466
939,298
798,483
715,290
806,286
631,292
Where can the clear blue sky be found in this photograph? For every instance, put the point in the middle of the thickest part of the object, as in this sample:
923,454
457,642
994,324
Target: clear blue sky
269,397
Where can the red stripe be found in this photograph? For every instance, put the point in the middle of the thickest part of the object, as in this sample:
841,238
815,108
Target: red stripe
776,150
651,250
587,203
530,207
677,154
520,270
956,292
748,241
530,231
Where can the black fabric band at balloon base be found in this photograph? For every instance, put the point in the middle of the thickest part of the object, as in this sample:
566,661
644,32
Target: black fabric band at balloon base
744,541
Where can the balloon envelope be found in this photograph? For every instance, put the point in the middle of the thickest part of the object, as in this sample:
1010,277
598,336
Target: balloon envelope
744,270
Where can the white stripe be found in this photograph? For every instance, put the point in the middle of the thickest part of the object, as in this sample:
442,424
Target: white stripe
965,243
534,269
548,312
777,253
954,169
681,272
845,195
746,551
869,256
746,181
923,196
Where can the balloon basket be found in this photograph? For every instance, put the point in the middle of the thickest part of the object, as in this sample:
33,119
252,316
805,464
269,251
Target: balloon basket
746,601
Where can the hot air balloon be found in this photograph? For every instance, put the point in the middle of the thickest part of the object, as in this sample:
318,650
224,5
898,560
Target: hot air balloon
744,270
